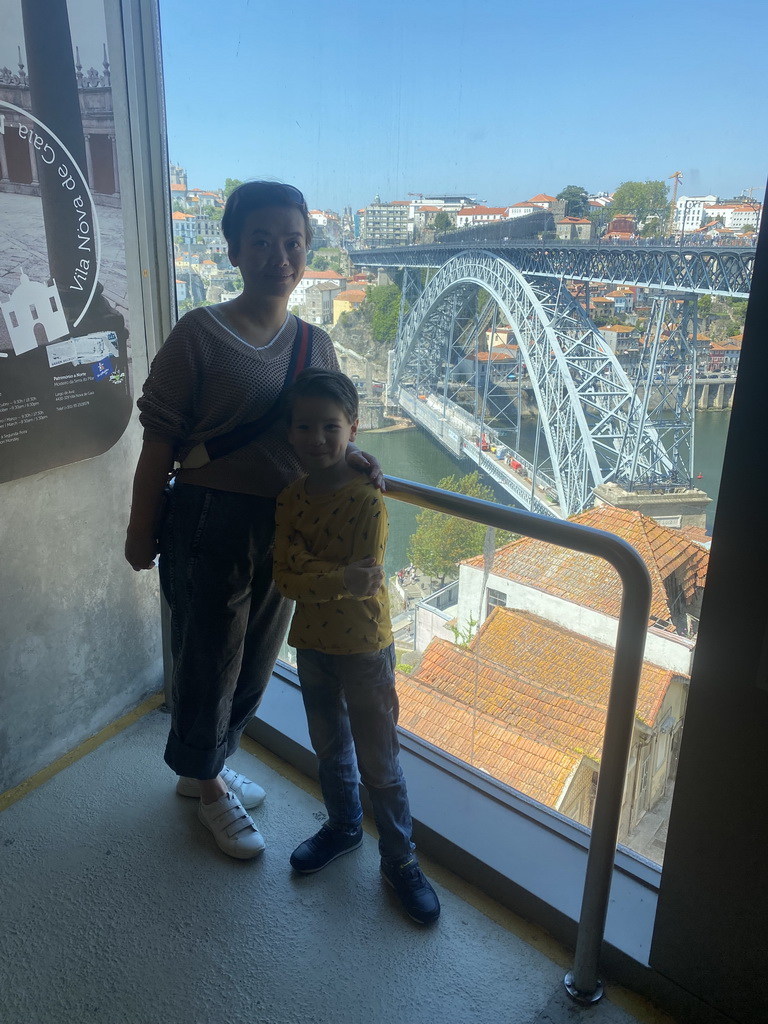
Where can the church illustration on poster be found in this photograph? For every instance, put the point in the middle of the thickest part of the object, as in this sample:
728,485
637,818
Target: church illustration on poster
33,315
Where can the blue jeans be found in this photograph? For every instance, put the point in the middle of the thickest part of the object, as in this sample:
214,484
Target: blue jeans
228,620
352,710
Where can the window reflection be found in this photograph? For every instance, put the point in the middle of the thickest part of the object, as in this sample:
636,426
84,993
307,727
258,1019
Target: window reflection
504,645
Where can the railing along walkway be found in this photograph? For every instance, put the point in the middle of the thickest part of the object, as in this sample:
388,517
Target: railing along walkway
582,983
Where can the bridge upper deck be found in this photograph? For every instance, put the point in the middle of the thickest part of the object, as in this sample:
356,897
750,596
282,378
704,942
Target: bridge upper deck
680,269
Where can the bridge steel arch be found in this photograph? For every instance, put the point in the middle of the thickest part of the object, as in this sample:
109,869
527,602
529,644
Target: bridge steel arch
593,425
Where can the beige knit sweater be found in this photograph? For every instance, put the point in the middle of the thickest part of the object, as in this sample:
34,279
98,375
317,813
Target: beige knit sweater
206,380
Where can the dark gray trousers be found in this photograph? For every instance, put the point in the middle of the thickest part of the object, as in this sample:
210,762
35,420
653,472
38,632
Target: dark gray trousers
228,620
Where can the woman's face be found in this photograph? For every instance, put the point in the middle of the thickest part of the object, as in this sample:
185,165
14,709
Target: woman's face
272,253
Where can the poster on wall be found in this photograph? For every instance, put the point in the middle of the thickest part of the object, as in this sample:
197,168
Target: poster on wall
65,381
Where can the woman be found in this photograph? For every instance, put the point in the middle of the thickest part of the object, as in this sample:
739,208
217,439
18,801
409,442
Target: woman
222,367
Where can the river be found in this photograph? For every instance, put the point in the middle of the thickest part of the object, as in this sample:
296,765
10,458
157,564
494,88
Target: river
414,455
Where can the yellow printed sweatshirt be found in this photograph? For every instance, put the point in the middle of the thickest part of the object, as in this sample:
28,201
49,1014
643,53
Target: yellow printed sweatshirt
316,537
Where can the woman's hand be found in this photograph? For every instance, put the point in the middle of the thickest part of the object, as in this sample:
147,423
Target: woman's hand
365,463
363,578
140,549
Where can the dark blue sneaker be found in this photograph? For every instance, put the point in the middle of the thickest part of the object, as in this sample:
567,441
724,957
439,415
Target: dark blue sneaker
417,896
323,847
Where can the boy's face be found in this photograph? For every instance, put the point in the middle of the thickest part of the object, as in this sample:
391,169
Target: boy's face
320,433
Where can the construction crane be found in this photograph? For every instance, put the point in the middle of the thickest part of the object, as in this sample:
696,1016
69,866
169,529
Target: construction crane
677,176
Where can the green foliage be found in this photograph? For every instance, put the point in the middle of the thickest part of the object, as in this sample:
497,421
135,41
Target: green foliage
653,228
738,308
463,637
230,184
704,306
325,258
576,200
443,221
724,317
442,541
642,199
384,301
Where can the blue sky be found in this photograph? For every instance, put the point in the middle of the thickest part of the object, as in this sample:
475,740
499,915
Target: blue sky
496,98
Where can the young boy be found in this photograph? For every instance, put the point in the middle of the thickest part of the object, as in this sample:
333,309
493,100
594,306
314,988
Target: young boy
331,532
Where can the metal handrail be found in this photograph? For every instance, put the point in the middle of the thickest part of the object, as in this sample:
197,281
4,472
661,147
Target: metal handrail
582,983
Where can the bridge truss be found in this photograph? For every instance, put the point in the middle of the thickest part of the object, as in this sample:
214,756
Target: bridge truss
689,270
450,360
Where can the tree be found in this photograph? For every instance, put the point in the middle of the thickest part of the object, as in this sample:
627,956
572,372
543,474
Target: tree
704,305
442,541
642,199
576,200
325,258
230,184
443,221
385,311
653,228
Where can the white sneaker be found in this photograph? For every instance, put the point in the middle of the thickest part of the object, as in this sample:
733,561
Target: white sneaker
232,827
249,793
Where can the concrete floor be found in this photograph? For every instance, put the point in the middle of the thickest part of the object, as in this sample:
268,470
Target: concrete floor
118,908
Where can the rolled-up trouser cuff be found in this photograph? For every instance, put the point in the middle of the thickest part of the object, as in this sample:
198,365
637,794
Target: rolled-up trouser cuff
195,764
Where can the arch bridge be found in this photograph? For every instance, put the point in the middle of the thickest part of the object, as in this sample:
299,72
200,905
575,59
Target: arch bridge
484,338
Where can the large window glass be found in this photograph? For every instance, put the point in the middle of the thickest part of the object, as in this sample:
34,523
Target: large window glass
535,265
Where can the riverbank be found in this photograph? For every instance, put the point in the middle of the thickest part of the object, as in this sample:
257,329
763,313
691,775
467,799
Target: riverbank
399,423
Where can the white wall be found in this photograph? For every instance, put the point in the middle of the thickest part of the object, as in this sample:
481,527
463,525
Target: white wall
668,651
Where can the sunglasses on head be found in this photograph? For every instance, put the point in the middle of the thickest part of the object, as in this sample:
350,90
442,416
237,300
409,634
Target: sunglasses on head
288,191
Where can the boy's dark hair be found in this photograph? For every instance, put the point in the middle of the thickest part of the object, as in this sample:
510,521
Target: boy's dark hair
255,195
316,382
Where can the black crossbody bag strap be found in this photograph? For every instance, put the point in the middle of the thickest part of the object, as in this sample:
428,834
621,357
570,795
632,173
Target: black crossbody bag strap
224,444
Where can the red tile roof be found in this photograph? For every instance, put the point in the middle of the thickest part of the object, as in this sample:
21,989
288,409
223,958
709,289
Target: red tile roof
322,275
535,768
477,211
592,582
525,703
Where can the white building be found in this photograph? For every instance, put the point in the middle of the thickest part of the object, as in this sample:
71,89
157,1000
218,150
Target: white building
735,215
313,277
689,211
583,594
318,302
471,215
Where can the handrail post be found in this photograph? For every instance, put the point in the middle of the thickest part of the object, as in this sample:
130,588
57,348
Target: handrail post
582,983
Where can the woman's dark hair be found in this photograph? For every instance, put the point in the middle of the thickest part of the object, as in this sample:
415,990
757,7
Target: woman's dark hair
255,195
316,382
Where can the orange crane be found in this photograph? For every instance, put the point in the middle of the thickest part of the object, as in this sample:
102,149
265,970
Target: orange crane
673,204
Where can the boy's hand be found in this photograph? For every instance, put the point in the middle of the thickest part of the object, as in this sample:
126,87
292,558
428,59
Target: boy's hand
363,578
